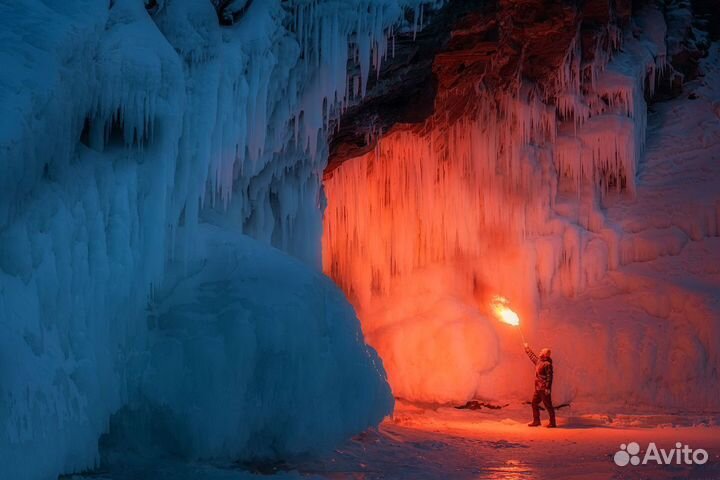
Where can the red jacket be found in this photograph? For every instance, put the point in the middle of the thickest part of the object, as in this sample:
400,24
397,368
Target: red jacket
543,370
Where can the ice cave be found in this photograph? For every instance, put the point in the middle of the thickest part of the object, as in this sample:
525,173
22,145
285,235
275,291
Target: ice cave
329,239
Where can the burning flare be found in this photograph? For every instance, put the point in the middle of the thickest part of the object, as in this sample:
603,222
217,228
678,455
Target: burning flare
503,312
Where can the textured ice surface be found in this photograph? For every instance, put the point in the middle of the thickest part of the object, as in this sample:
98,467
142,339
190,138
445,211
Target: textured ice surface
120,134
250,355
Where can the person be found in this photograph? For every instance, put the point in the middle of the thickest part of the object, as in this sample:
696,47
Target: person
543,385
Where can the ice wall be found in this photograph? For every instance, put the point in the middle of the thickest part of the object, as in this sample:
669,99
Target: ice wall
123,131
423,231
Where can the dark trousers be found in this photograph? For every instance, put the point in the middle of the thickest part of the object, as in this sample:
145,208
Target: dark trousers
546,400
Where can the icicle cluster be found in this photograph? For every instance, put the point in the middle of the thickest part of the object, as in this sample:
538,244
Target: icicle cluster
604,129
423,199
461,212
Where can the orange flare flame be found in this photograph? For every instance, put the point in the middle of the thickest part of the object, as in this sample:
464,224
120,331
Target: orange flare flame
503,312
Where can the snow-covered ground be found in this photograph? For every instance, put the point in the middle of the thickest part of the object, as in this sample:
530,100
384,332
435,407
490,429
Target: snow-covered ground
446,443
184,471
496,444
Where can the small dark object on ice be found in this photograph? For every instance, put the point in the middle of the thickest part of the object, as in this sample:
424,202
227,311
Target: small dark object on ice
477,405
556,407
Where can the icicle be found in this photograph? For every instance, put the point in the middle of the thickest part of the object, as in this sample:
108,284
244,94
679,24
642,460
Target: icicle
416,17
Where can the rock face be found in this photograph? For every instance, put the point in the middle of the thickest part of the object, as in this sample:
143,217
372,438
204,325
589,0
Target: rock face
466,46
404,91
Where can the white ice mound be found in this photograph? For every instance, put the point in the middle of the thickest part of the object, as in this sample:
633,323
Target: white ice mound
252,355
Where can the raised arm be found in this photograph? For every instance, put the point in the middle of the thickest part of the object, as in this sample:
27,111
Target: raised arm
531,354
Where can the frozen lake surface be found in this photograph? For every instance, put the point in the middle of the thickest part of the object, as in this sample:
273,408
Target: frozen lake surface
447,443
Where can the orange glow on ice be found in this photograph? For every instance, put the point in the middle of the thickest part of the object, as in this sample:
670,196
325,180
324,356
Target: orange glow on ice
420,233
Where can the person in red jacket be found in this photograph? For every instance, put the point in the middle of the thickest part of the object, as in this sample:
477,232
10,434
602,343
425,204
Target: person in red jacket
543,385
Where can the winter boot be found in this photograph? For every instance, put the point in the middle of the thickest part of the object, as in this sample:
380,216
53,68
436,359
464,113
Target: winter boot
551,412
534,423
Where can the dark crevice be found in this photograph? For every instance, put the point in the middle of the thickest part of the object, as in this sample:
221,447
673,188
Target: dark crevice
230,12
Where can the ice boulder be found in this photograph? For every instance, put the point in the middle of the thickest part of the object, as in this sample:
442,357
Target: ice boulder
252,354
